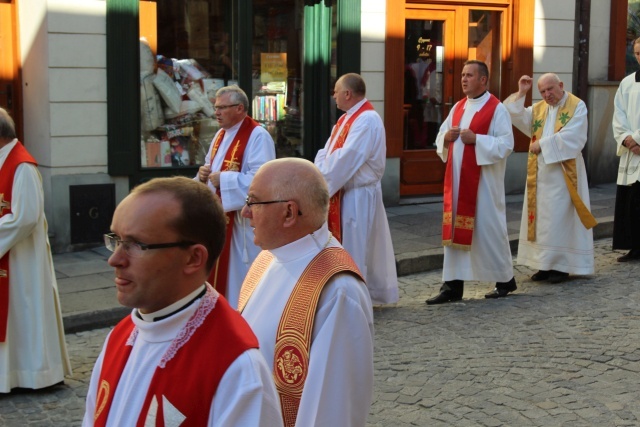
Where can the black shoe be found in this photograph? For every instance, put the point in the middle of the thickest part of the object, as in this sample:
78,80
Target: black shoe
540,275
502,289
444,296
557,276
632,255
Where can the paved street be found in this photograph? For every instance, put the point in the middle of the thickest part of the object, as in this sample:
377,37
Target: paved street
549,355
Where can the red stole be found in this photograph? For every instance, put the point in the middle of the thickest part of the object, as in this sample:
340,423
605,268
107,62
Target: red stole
232,162
459,235
18,155
189,373
334,219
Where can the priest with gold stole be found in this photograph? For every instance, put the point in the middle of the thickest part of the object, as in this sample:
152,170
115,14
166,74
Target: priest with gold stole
305,299
555,232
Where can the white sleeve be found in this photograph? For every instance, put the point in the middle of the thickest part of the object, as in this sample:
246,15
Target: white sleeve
339,388
520,117
339,166
27,205
246,395
90,407
234,186
444,128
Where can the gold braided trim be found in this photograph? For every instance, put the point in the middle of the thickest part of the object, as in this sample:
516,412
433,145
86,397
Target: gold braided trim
464,222
447,218
293,337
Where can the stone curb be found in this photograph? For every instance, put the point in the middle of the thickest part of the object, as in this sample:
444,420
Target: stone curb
406,264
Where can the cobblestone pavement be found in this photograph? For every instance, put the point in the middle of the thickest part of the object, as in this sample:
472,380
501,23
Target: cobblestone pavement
548,355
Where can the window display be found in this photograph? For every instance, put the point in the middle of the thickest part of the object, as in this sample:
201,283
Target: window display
191,54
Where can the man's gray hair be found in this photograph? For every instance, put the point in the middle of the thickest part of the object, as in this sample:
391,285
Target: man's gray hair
7,125
237,95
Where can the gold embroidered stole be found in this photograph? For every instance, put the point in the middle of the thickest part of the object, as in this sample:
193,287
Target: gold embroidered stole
232,162
565,113
293,338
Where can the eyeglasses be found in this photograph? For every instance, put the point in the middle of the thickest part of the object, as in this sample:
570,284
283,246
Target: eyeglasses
224,107
137,249
249,204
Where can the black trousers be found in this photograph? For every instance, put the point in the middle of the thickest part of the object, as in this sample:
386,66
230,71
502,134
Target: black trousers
626,225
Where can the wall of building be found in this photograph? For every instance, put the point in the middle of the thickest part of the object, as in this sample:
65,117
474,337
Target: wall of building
373,33
63,49
602,162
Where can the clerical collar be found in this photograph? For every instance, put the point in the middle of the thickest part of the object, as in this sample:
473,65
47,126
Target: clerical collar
479,96
174,308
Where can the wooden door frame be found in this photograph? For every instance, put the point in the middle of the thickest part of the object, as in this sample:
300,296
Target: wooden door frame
518,20
15,73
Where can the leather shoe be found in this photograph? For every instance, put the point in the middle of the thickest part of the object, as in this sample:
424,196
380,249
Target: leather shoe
632,255
557,276
444,296
502,289
540,275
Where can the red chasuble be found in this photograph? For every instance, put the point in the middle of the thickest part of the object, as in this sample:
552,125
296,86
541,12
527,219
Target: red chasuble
190,371
18,155
334,223
459,235
232,162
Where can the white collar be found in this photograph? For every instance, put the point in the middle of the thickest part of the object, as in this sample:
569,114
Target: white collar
149,317
310,244
356,107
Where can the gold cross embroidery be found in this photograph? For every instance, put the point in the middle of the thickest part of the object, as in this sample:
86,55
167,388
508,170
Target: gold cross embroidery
4,204
233,164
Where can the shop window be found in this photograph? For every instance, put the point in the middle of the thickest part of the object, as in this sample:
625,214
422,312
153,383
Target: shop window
277,65
186,55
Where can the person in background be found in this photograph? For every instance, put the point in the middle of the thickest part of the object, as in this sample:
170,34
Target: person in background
352,163
33,353
475,141
238,149
626,132
555,232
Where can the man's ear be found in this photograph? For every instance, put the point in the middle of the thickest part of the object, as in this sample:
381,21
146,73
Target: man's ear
292,214
197,259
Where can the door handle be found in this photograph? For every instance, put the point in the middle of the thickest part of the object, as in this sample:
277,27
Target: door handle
450,103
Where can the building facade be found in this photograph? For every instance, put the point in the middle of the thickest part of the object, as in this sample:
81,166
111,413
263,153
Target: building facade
80,92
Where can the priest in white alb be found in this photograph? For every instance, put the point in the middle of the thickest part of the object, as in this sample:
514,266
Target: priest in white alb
33,353
555,232
475,141
238,149
353,163
183,357
305,300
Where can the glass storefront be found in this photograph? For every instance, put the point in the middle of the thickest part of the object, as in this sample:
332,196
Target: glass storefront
189,49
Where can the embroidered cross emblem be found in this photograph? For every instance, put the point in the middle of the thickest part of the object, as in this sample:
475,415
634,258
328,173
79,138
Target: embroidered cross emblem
233,164
564,118
532,217
536,125
4,204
